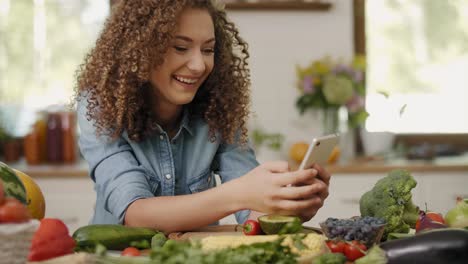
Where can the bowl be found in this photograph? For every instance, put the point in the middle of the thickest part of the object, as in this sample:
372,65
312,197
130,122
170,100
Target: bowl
367,231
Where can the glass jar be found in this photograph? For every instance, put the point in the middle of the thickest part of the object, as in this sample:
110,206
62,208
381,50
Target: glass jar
54,137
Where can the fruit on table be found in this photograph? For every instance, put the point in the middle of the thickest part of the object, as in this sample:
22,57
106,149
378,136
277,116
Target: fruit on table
354,250
458,216
280,224
251,228
12,185
336,246
13,211
131,251
366,229
115,237
34,197
334,156
298,151
51,240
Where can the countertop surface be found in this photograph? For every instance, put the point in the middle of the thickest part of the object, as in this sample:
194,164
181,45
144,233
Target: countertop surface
360,165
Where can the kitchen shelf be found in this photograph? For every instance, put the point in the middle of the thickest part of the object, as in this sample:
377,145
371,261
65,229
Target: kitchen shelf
279,6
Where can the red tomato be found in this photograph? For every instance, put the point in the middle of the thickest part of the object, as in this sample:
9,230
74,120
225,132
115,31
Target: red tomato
251,228
13,211
336,246
354,250
131,251
50,228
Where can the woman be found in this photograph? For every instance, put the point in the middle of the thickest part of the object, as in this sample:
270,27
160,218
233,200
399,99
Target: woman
162,104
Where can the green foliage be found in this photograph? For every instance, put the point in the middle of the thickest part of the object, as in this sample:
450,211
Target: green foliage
375,255
330,258
158,240
40,52
291,227
273,140
391,199
184,252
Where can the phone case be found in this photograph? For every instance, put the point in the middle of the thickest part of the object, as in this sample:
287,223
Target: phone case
319,150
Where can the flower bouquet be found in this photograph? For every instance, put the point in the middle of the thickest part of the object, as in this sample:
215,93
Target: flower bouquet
329,85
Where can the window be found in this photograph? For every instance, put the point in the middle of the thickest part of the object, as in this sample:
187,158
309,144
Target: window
417,52
42,44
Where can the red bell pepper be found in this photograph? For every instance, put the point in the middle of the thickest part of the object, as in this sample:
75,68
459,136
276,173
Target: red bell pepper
252,228
52,248
51,240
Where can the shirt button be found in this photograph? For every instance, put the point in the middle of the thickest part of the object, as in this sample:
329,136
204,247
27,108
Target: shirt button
168,176
161,137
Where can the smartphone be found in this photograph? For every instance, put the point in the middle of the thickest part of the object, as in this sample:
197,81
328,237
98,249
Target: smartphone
319,150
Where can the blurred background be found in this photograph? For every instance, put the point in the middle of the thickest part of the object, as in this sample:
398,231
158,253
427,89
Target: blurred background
388,75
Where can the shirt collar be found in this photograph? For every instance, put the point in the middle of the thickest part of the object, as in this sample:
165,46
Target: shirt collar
185,123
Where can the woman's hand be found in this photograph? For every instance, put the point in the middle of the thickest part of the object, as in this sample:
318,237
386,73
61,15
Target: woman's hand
322,178
273,188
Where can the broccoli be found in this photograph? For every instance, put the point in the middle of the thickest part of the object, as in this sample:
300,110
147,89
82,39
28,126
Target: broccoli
391,200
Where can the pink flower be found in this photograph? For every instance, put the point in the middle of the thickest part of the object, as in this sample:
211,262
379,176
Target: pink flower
308,85
355,104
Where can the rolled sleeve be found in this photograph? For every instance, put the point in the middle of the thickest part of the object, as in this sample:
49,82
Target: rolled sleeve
119,178
233,162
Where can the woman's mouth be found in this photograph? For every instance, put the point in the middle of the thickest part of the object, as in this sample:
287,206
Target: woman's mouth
186,80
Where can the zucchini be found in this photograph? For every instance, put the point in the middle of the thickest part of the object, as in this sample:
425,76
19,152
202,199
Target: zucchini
113,237
447,245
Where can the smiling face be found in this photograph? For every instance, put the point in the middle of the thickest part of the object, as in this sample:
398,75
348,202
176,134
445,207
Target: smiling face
187,62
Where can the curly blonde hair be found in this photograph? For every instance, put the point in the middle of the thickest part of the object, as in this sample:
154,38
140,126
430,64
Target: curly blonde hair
135,38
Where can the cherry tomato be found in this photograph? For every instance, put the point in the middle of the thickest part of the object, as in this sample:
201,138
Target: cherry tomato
354,250
131,251
251,228
336,246
13,211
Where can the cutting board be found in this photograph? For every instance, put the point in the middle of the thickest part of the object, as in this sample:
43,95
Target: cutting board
221,230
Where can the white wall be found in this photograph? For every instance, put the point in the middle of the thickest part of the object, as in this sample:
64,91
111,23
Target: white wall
279,40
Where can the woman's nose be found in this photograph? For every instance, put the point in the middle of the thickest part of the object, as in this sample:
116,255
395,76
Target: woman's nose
196,64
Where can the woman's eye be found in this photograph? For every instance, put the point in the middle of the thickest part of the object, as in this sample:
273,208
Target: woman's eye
180,48
209,51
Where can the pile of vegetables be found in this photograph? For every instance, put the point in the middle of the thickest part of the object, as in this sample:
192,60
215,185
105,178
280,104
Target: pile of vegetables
391,199
436,246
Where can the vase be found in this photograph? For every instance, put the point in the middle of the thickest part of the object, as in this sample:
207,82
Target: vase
335,120
330,119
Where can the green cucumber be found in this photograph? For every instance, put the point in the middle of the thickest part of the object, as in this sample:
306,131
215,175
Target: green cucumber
12,185
280,224
113,237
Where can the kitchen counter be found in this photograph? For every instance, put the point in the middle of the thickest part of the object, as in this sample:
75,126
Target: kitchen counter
360,165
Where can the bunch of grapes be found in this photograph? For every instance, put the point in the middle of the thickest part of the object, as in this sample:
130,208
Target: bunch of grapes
360,228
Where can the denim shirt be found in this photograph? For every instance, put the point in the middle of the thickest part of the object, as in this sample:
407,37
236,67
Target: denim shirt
124,171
